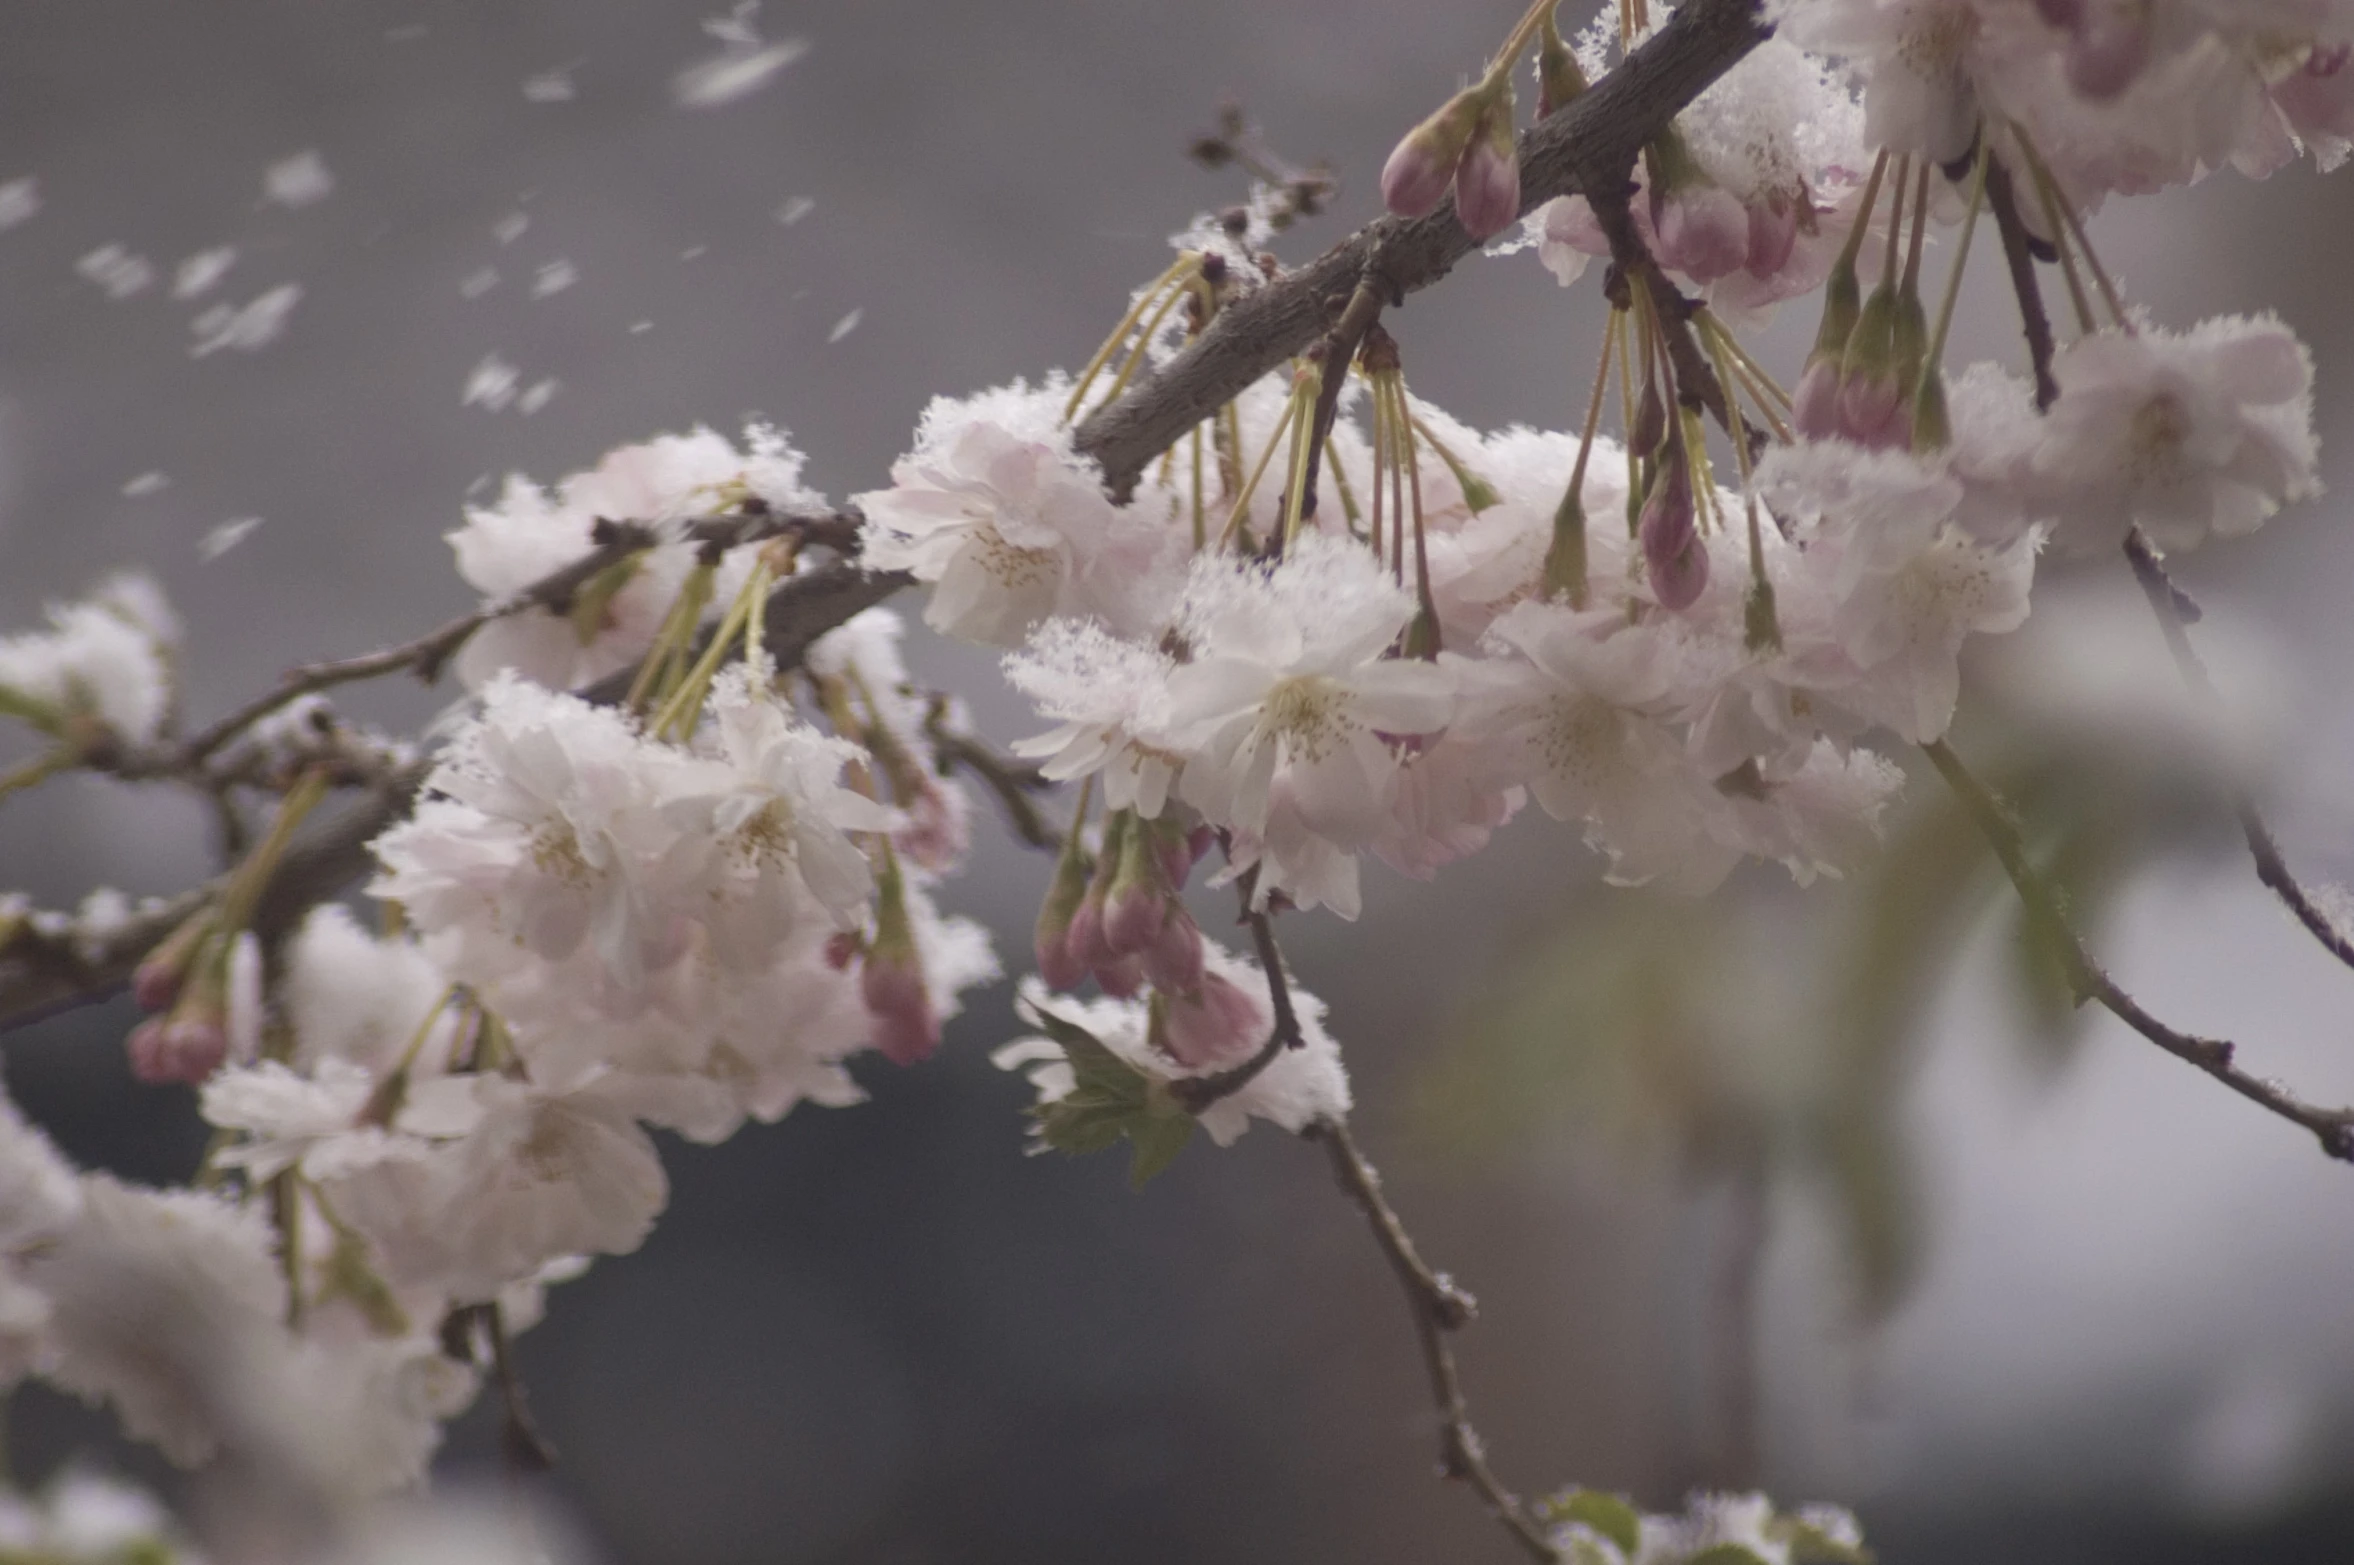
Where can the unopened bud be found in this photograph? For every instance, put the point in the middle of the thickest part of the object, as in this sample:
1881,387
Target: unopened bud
1650,420
1057,963
1871,391
1487,181
891,980
1123,979
183,1049
1773,234
156,983
1673,555
1414,180
2108,47
1173,962
1559,76
1703,231
1814,406
1215,1024
1423,642
1932,426
1138,900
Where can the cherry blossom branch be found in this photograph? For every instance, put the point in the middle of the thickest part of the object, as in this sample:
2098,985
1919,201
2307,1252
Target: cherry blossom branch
1696,379
1012,782
2334,1128
1587,146
1440,1308
2175,611
610,543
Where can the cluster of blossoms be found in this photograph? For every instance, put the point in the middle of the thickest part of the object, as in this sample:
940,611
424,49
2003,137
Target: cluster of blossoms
658,879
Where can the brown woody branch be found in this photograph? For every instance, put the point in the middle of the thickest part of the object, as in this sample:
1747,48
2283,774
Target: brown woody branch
1196,1093
1585,148
2175,611
1440,1308
2086,979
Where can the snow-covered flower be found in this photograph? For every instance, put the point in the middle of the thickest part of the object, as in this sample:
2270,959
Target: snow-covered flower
532,532
107,659
1298,1087
1290,684
2206,432
1905,583
1110,698
1008,525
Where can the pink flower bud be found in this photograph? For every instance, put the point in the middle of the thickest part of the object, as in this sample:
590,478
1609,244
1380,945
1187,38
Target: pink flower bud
938,831
1814,407
1414,180
906,1028
1703,231
1215,1025
156,983
1872,412
1773,236
1058,963
2108,48
1673,555
1122,979
1138,900
842,949
1487,181
184,1049
1084,937
1174,960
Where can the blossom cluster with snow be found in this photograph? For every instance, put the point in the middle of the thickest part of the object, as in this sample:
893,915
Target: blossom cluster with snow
655,877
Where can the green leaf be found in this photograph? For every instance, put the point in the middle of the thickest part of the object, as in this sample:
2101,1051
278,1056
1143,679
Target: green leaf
1607,1514
1812,1546
1726,1554
1110,1098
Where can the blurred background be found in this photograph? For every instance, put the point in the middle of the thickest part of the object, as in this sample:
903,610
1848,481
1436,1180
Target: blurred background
1816,1189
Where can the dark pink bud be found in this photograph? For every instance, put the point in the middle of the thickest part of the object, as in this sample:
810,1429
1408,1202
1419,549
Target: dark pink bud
938,832
1132,917
906,1028
1174,960
1773,236
1673,554
1123,979
1703,232
1058,963
2109,48
156,984
1814,407
1869,406
1217,1024
842,949
185,1049
1487,181
1414,180
1085,935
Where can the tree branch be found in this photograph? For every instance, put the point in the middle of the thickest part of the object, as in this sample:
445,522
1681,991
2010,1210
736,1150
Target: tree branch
2175,610
1439,1308
2019,254
1586,146
2334,1128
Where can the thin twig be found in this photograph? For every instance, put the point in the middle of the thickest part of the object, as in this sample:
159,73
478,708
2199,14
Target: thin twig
1339,350
1587,146
2334,1128
1439,1308
2019,254
1197,1093
1696,380
2175,610
1012,782
526,1450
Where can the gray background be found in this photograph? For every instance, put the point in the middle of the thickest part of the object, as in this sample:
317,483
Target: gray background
883,1334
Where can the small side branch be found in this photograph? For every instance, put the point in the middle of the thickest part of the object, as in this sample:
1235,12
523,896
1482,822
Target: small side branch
2334,1128
2174,611
1197,1093
2002,199
1696,378
1440,1308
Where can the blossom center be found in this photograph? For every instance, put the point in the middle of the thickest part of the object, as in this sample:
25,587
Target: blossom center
1311,712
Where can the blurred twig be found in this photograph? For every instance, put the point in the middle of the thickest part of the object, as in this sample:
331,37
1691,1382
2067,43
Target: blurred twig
2334,1128
1439,1308
2175,613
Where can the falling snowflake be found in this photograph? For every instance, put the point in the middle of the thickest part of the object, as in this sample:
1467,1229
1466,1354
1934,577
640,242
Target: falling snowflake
19,200
227,536
248,329
537,396
492,385
846,325
734,73
795,210
510,228
553,86
201,270
144,485
298,181
554,278
478,283
116,270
